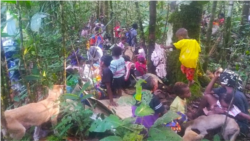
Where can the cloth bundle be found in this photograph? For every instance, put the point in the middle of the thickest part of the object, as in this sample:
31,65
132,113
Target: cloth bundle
158,58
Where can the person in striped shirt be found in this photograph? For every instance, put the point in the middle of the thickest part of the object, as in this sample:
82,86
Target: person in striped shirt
117,66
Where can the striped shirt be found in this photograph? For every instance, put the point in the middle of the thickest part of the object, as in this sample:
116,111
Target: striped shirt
117,66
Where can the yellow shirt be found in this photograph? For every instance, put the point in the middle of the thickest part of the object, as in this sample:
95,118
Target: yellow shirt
178,105
189,55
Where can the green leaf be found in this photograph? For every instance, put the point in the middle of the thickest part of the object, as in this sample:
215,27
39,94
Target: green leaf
86,96
84,87
16,98
112,138
143,110
163,133
9,1
166,118
216,137
71,96
32,77
108,123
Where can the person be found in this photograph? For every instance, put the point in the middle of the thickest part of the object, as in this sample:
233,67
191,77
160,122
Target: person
129,71
140,66
105,87
228,80
179,105
131,35
94,54
117,31
122,43
96,39
189,54
149,87
221,18
141,51
117,67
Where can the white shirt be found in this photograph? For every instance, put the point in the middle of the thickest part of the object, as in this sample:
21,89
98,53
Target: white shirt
142,52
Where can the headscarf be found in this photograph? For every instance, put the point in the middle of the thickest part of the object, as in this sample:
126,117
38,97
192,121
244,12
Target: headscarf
229,78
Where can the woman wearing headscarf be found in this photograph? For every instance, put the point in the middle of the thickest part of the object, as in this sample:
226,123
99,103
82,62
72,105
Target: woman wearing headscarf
230,82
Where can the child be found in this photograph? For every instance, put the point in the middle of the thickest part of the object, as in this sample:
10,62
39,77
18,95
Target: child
182,91
106,79
96,39
129,70
122,43
179,104
117,67
149,87
189,55
140,66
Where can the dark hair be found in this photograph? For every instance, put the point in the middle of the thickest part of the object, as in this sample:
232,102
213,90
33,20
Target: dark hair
106,59
182,32
126,58
150,82
227,97
116,51
97,28
135,26
178,88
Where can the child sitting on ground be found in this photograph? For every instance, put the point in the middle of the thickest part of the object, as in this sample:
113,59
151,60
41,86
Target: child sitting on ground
189,54
140,66
117,67
105,87
179,104
150,86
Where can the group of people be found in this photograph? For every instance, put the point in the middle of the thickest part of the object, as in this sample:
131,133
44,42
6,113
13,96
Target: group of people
117,71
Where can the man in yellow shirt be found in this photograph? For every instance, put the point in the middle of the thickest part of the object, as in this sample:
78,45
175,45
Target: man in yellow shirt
189,54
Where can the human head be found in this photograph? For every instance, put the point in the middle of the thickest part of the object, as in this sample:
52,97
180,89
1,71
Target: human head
182,90
151,83
117,23
141,59
135,26
126,58
181,33
97,30
225,100
221,15
105,60
229,78
116,51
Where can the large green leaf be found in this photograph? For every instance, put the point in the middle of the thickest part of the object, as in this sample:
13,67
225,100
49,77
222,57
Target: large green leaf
143,110
71,96
166,118
112,138
84,87
108,123
163,133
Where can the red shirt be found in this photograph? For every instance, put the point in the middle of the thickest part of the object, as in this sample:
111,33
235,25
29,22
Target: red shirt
116,31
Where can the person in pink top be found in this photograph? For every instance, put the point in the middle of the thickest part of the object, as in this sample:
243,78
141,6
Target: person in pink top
117,31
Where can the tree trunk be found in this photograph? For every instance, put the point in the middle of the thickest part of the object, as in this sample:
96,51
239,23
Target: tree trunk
209,32
97,9
63,31
151,44
227,33
245,12
112,22
106,15
188,17
140,22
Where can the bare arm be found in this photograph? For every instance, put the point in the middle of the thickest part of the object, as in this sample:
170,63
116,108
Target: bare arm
243,116
167,47
209,87
110,94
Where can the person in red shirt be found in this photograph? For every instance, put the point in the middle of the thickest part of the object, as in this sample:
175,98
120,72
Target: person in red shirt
117,30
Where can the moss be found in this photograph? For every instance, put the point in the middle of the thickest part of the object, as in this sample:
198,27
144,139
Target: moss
189,17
